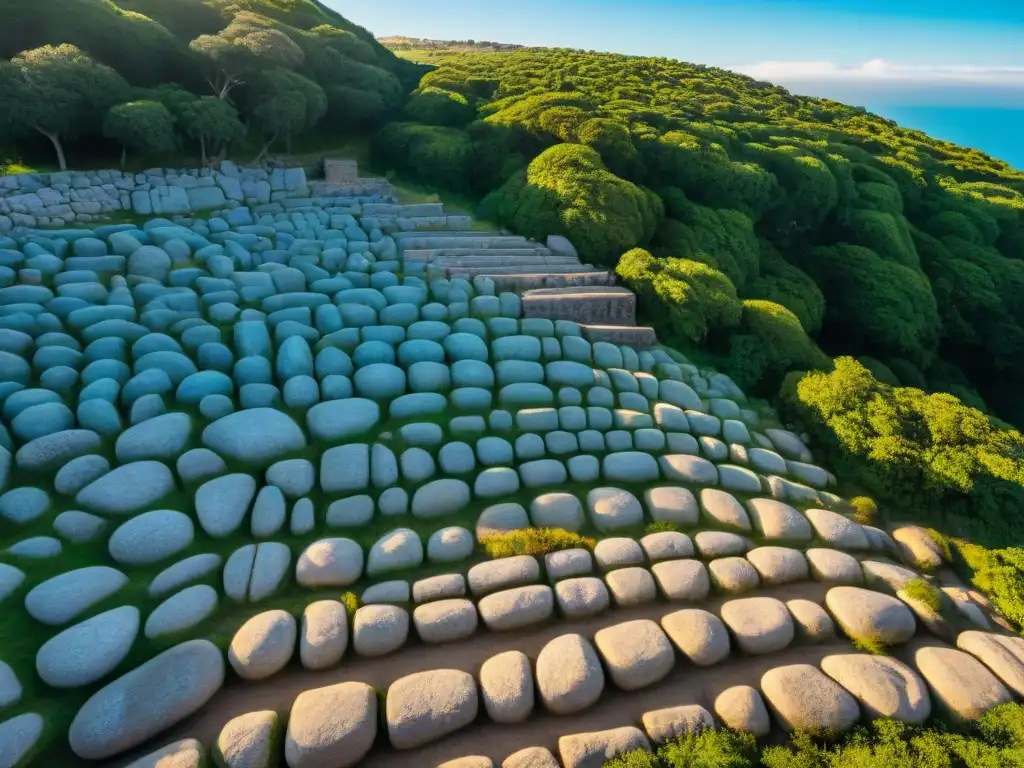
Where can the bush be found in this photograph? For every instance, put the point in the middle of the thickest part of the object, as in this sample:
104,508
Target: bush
351,602
434,106
938,461
709,748
142,126
533,541
769,343
442,156
925,593
567,190
865,511
685,299
789,286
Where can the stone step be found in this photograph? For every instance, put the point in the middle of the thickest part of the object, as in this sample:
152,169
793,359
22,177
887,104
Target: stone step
639,337
551,278
413,211
432,254
504,263
416,240
588,304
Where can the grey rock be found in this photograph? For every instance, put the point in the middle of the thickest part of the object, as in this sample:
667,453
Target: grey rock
779,565
255,435
377,630
682,580
723,509
23,505
831,565
181,573
568,562
959,683
805,699
78,473
569,674
86,652
445,586
631,586
742,709
77,526
1004,655
884,686
269,569
248,741
531,757
449,545
811,621
221,503
506,687
672,504
58,600
871,616
127,488
759,624
593,750
495,575
18,736
147,700
181,611
444,621
613,508
199,463
161,437
636,653
329,563
663,725
699,635
151,537
516,608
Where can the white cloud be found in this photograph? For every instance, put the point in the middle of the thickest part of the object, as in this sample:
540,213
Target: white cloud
878,71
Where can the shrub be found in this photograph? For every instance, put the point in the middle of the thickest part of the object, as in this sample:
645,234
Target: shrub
865,511
435,106
685,299
533,541
925,593
351,602
769,343
143,126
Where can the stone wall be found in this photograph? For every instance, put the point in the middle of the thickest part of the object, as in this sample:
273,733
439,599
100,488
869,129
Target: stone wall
32,200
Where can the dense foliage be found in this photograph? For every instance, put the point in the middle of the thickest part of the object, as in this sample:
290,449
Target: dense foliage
884,243
997,741
282,66
931,459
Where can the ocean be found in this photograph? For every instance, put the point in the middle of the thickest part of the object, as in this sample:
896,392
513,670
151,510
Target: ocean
998,131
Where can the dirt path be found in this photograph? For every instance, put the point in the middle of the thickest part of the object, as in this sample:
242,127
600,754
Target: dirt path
686,684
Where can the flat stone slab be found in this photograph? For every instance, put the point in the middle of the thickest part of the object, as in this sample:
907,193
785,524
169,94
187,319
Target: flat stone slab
426,706
569,674
884,686
871,616
803,698
960,684
699,635
335,726
759,624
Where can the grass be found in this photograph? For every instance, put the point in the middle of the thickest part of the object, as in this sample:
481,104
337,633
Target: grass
925,593
662,526
534,541
871,645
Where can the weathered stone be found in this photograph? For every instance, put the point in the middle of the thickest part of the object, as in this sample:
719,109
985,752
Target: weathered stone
332,726
618,552
181,611
151,537
884,686
449,545
88,651
593,750
742,709
147,700
60,599
811,621
427,706
917,547
670,504
775,520
557,510
569,674
831,565
699,635
324,635
516,608
581,597
836,530
263,645
187,753
666,545
778,565
329,563
249,740
377,630
441,587
664,725
870,616
759,624
127,488
506,687
960,684
723,508
631,586
531,757
494,575
221,503
636,653
719,544
733,574
805,699
444,621
612,508
682,580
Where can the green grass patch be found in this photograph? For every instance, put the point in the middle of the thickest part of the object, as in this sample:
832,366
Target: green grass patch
534,541
871,645
661,526
351,602
924,592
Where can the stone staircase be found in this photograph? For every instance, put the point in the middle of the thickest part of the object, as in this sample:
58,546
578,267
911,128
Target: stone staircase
550,279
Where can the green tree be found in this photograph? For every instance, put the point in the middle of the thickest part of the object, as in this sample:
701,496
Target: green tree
212,122
284,103
59,92
769,343
434,106
143,126
248,44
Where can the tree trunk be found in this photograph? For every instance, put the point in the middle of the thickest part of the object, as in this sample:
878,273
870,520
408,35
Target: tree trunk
264,150
124,156
58,147
202,148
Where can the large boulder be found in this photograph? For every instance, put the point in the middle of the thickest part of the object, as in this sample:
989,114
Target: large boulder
444,621
569,674
516,608
329,563
871,616
805,699
86,652
612,508
426,706
636,653
581,597
333,726
148,700
960,684
1003,654
377,630
699,635
884,686
759,624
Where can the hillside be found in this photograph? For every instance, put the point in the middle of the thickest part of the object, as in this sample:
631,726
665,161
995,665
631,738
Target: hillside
884,243
409,45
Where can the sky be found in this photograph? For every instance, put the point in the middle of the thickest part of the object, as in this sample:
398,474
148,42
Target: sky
953,68
932,50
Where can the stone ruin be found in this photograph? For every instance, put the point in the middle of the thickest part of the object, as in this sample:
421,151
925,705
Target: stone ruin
215,425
